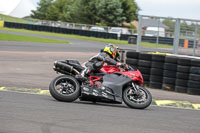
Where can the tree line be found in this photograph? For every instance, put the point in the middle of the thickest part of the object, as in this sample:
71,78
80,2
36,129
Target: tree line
95,12
184,26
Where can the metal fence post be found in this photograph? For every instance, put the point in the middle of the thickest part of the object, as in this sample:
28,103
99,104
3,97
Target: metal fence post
139,36
158,33
176,36
195,39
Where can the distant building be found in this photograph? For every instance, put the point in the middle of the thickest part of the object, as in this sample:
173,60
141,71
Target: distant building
17,8
150,27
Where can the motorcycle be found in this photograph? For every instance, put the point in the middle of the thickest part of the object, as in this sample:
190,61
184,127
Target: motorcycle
110,84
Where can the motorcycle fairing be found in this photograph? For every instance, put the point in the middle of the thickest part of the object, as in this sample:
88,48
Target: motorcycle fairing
134,75
97,94
109,91
116,82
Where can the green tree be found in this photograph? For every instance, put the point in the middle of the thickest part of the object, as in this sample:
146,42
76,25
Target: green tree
170,24
60,10
102,12
84,11
109,12
41,12
130,10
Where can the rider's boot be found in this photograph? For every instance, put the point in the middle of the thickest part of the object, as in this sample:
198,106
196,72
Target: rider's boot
82,76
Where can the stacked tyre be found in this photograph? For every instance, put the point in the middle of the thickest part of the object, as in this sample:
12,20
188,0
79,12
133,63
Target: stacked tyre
182,74
144,65
132,58
194,78
169,73
156,76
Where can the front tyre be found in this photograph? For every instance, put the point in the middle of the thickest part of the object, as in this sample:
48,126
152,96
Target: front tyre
64,88
139,100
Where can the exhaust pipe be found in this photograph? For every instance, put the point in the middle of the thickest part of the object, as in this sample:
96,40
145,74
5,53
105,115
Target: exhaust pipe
63,67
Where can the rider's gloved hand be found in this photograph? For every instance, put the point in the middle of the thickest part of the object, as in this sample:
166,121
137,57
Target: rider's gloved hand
126,66
119,64
122,65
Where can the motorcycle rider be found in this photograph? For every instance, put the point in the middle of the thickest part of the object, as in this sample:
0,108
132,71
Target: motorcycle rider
109,55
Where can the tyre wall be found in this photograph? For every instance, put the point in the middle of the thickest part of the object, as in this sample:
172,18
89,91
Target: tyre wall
167,72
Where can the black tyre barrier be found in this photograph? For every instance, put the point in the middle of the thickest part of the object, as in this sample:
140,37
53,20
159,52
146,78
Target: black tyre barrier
155,78
170,74
181,82
144,56
194,77
146,77
132,61
132,54
171,59
193,84
144,70
159,65
167,80
181,89
159,58
184,61
169,66
180,75
144,63
193,91
168,87
156,71
62,30
195,62
195,70
185,69
155,85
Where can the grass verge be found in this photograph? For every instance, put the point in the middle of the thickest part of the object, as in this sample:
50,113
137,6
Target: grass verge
20,38
12,19
113,41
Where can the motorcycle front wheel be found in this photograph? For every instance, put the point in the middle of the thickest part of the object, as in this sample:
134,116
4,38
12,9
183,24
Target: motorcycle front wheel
139,100
64,88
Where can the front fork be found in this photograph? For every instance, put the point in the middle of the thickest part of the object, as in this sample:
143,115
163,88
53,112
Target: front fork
136,89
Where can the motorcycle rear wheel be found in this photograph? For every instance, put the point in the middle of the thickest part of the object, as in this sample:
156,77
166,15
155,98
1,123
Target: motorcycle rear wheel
64,88
134,101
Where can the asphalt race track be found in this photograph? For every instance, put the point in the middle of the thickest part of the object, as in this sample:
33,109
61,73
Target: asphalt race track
26,113
29,65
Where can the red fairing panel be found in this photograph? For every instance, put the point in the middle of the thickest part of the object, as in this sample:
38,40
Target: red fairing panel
134,75
110,69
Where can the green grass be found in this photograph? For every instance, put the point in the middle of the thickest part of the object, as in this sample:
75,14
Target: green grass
113,41
12,19
20,38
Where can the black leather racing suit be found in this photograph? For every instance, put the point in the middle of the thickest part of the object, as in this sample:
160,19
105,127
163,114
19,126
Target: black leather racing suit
96,62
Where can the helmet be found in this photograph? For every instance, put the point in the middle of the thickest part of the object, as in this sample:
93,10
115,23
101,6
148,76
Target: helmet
112,50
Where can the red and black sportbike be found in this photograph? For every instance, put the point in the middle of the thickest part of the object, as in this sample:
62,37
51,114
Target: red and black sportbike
110,84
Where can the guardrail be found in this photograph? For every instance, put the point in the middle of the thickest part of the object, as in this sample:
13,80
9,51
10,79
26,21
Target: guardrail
167,72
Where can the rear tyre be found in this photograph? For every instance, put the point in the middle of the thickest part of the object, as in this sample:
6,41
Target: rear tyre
64,88
134,100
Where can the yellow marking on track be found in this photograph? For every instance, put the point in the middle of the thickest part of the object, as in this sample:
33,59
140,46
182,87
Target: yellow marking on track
26,90
2,88
44,92
196,106
179,104
159,53
163,103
